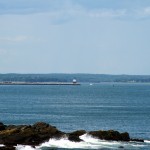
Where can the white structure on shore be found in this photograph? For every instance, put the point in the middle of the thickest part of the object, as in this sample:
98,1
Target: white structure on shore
74,81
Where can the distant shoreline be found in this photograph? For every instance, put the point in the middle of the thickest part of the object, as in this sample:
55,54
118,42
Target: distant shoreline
38,83
68,78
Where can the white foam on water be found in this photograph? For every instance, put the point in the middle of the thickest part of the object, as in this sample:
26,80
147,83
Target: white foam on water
25,147
99,143
88,143
146,141
65,143
1,145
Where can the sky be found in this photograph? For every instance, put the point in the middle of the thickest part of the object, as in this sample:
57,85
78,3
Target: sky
75,36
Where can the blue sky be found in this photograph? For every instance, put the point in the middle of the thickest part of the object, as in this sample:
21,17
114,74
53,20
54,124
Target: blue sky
75,36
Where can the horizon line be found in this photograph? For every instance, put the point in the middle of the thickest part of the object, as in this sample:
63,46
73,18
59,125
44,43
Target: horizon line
77,73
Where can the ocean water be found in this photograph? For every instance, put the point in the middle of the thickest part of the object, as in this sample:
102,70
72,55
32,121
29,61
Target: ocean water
119,106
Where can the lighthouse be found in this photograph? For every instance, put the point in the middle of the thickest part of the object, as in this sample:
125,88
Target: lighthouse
74,81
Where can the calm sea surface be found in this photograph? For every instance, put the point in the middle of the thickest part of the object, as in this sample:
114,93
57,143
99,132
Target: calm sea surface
118,106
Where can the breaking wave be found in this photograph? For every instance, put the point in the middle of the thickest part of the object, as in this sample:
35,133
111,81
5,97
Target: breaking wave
146,141
87,143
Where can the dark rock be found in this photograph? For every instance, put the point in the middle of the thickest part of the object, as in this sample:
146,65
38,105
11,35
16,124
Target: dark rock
7,148
110,135
137,140
29,135
40,125
2,126
125,136
40,132
78,132
74,136
10,127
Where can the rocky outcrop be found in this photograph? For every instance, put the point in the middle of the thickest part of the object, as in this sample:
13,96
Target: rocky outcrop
40,132
7,148
2,126
110,135
74,136
136,140
28,135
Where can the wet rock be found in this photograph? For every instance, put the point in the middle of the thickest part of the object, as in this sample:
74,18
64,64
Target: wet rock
7,148
120,147
78,132
40,132
2,126
137,140
74,136
40,125
10,127
110,135
125,136
29,135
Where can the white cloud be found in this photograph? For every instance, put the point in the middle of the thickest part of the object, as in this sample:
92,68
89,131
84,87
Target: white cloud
144,12
63,11
67,14
14,39
76,11
147,10
105,13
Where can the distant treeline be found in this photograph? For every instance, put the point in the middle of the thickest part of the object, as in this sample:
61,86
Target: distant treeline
93,78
